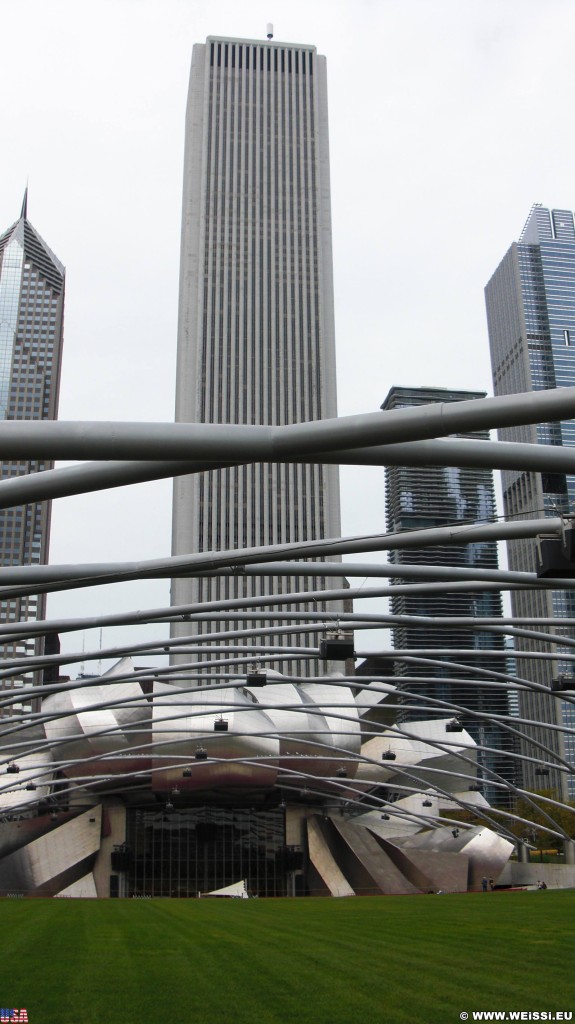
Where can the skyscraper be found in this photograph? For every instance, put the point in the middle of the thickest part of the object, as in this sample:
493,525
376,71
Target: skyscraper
531,320
426,498
31,330
256,321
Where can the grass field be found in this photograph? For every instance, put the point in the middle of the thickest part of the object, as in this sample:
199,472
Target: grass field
415,959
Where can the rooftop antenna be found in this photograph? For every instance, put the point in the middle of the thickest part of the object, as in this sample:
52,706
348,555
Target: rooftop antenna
270,30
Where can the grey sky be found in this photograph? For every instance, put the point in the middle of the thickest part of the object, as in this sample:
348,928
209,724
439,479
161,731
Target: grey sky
448,119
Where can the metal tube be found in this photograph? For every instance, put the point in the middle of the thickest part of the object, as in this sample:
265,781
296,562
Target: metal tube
28,439
212,560
94,476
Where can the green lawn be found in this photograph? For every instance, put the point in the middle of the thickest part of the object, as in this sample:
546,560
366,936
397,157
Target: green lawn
413,959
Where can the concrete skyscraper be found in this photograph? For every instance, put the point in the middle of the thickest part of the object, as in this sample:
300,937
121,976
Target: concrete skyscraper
531,320
428,497
256,320
31,329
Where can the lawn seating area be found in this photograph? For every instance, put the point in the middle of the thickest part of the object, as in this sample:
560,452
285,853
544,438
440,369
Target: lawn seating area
413,959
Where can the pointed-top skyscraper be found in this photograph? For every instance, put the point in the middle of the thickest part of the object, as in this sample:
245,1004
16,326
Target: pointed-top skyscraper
31,329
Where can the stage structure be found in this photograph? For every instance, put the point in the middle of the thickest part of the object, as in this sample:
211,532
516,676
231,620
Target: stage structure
163,781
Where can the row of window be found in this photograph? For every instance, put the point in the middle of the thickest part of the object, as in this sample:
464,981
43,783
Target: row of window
261,58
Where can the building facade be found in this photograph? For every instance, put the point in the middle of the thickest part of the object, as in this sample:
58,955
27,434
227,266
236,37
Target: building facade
256,321
428,497
531,320
31,331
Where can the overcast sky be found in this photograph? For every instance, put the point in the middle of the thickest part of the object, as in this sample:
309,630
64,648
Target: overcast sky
448,120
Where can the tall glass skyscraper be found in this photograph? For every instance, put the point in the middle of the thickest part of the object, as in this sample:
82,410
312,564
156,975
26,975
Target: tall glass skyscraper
421,498
256,321
531,320
31,331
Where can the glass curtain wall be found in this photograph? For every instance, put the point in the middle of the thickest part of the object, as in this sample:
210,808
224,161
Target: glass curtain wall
182,853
